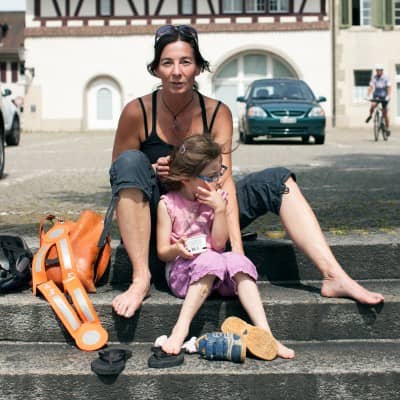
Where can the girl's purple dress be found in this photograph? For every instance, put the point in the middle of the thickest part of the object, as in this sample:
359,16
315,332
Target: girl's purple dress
191,218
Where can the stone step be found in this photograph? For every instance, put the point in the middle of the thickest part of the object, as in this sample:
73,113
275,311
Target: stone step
321,371
295,312
374,256
279,260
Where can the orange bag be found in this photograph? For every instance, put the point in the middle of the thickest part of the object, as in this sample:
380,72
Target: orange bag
72,257
91,258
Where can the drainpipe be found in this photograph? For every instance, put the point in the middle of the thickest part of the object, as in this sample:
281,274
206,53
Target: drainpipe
333,44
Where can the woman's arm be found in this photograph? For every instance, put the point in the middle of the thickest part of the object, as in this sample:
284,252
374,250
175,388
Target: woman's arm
129,129
222,134
165,250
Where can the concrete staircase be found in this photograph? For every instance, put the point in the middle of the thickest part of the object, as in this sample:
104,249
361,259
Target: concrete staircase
344,350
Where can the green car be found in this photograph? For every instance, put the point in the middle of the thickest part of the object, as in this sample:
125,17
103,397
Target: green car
281,108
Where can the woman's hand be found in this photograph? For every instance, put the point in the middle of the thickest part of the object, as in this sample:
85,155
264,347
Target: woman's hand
215,198
161,167
182,250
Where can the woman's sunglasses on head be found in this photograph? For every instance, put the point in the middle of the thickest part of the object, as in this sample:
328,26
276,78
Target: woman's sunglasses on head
184,30
214,177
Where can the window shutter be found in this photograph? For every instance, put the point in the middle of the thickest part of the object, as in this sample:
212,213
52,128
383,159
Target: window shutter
389,14
378,13
345,13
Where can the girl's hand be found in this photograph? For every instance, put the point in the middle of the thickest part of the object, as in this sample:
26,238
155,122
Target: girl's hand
182,249
215,198
162,166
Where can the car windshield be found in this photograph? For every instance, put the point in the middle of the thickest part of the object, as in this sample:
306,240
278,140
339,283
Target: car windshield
287,90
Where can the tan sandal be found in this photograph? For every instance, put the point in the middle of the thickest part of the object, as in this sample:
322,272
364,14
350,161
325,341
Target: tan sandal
259,342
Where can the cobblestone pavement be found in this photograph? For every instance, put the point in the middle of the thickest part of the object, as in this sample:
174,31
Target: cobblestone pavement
352,182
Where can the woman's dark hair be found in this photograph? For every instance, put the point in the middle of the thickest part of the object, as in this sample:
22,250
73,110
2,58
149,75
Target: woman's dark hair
172,35
189,159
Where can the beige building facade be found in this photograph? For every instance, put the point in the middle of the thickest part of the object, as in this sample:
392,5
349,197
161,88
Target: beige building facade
89,57
367,33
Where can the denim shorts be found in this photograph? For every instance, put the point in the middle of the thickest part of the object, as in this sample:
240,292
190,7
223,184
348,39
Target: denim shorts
257,193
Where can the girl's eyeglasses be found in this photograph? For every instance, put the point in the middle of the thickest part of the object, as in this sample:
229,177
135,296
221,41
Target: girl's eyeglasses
215,177
185,30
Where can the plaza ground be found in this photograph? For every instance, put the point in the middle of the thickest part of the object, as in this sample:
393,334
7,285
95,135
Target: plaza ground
352,182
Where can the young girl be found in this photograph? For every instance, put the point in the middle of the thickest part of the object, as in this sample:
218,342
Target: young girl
195,205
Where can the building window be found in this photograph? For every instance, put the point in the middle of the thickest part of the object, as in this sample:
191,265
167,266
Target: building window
104,104
233,78
255,6
397,12
14,72
362,11
279,6
398,90
105,8
232,6
362,78
36,8
3,72
187,7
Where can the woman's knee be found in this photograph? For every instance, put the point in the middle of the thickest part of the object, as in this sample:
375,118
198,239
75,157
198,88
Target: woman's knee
132,170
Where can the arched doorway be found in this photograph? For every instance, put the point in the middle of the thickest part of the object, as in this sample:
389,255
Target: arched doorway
103,104
233,77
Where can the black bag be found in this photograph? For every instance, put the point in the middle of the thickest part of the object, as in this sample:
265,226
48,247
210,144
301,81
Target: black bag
15,263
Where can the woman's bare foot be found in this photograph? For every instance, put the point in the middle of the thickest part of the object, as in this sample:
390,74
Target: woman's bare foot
284,352
127,303
344,286
174,343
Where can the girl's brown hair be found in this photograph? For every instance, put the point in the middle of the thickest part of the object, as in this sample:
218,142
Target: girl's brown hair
189,159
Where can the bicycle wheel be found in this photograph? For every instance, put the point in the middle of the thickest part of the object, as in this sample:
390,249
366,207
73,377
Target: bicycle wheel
377,123
384,132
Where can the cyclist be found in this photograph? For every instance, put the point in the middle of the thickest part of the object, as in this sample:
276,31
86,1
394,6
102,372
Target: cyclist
380,88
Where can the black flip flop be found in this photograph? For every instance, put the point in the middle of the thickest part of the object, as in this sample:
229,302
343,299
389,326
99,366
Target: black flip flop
111,361
160,359
249,236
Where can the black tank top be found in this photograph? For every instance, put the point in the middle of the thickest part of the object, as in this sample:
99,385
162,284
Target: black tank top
153,146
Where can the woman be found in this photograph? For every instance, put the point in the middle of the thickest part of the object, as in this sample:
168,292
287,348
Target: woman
149,128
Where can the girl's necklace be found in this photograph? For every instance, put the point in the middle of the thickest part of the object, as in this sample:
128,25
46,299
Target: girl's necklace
175,124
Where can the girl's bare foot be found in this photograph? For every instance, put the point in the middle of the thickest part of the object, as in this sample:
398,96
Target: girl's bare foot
344,286
174,343
284,352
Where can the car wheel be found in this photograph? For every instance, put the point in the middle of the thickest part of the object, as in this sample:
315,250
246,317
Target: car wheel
305,139
247,139
2,155
15,134
319,139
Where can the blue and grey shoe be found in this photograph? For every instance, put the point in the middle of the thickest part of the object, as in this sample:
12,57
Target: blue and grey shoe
221,346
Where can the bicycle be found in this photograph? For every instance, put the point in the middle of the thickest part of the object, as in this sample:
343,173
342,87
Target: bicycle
379,122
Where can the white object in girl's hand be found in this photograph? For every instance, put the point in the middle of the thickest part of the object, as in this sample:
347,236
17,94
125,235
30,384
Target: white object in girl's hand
196,244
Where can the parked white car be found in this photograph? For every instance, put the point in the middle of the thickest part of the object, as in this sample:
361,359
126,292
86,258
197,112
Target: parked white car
10,126
2,138
12,119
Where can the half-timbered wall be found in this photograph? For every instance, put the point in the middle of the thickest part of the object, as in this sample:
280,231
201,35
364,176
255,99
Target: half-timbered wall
148,10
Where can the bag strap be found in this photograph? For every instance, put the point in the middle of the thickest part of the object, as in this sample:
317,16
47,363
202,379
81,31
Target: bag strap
107,221
49,217
86,330
88,335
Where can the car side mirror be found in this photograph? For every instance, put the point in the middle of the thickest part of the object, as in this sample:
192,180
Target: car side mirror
241,99
6,92
321,99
